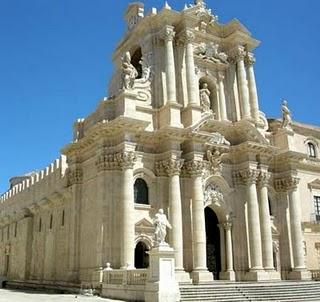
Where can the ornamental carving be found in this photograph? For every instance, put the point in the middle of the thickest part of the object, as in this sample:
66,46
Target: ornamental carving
194,167
212,195
126,159
286,184
129,72
264,179
245,176
250,59
237,54
214,159
209,52
106,162
169,167
74,176
168,33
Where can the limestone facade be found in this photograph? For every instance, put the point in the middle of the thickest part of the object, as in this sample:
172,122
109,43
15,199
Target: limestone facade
181,130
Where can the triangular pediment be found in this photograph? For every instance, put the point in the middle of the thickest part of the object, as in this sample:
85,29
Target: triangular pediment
144,223
314,184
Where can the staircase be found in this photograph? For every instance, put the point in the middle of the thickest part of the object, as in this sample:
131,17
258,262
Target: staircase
220,291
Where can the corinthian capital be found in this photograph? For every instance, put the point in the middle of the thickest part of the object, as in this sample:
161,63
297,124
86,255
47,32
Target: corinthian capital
126,159
286,184
167,33
238,53
264,179
169,167
246,176
250,59
194,167
187,36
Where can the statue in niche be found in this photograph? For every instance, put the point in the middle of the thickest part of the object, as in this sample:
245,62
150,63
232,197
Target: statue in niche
129,73
161,223
205,98
286,116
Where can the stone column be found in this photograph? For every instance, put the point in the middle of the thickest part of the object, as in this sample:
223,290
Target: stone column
222,98
200,272
229,251
249,177
295,224
126,162
173,168
168,36
250,60
242,82
265,221
192,81
222,248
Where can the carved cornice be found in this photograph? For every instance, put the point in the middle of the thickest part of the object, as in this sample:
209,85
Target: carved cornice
286,184
167,33
169,167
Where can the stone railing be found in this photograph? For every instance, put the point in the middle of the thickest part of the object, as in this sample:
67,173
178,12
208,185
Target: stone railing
125,277
315,275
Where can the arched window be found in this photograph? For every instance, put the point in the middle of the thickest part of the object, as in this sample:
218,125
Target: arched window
311,150
141,192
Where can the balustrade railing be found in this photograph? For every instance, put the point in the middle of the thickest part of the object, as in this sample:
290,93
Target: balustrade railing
129,277
315,275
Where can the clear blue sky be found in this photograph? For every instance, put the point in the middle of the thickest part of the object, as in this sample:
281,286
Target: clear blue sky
55,62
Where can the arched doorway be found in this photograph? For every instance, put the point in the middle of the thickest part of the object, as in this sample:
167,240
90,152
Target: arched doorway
213,242
141,258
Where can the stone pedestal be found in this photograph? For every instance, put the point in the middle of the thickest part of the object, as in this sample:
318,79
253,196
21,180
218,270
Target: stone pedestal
191,114
170,115
284,139
299,275
228,275
161,285
256,275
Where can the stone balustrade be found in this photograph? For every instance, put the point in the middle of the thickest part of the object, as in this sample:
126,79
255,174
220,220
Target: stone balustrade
125,277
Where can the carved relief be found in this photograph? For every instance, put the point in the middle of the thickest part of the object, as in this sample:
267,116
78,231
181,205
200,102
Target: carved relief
129,73
209,52
194,167
212,195
214,159
126,159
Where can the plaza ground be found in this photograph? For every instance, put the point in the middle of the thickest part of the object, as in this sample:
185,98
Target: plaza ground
28,296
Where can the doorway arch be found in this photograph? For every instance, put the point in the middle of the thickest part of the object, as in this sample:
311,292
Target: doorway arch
141,257
213,242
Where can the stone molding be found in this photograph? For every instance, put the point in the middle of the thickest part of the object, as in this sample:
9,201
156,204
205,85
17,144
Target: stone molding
169,167
116,161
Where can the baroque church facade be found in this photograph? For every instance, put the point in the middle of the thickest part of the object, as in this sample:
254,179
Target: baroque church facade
181,130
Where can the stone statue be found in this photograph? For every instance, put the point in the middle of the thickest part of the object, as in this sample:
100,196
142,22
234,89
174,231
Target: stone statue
214,160
79,129
161,223
129,73
286,116
205,98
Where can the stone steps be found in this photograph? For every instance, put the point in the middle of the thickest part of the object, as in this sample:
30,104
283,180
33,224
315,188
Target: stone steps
253,292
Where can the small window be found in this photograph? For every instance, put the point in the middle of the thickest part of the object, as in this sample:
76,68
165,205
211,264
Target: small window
141,192
15,229
316,202
40,224
51,222
311,150
62,218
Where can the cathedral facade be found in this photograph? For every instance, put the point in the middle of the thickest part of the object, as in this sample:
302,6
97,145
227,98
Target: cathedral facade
181,131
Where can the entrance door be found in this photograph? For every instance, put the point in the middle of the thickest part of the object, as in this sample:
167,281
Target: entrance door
141,258
213,242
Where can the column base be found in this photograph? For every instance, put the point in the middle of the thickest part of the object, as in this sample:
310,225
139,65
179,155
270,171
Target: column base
299,275
191,114
228,275
256,275
170,115
201,276
182,276
273,274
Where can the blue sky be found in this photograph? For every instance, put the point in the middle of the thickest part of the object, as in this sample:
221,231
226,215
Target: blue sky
55,63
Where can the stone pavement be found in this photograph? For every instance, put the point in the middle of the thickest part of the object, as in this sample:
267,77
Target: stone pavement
28,296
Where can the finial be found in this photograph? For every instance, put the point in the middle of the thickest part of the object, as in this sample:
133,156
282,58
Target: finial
199,2
166,5
185,6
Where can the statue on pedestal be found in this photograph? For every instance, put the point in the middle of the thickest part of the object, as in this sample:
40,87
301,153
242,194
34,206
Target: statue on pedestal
205,98
129,73
286,116
161,223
